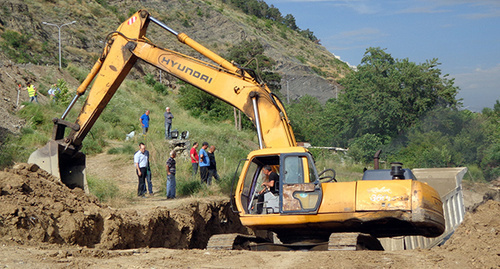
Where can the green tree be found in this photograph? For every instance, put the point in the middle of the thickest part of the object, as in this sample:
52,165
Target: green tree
448,137
250,55
386,96
364,148
491,160
289,21
306,118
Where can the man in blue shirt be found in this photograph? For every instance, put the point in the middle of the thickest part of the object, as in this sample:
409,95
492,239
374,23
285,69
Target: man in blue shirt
204,162
141,165
145,122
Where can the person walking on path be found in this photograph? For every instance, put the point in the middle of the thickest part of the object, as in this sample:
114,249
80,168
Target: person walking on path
171,175
194,158
168,122
212,168
145,122
141,164
149,183
204,162
32,92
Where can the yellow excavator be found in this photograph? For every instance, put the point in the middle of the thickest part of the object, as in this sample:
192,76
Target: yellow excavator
306,207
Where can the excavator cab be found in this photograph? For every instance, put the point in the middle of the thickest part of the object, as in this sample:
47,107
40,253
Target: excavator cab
298,190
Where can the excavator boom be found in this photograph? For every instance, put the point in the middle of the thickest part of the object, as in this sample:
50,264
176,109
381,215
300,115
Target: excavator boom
122,49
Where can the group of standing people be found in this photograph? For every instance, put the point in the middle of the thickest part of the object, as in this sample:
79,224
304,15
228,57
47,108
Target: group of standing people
33,92
141,159
144,119
205,160
143,170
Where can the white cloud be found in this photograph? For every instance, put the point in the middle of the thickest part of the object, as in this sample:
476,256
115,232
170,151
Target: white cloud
479,88
471,9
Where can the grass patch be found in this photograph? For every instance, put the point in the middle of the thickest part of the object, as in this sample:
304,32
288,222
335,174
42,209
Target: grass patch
188,187
104,190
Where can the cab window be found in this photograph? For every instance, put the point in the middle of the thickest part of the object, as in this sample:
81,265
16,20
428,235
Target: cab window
293,172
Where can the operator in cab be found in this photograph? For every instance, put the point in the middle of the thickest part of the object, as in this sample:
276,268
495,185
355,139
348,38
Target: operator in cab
272,182
271,187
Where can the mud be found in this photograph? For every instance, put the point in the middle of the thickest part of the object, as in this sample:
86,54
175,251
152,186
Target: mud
37,207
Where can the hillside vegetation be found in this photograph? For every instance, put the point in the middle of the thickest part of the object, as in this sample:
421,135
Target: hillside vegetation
215,24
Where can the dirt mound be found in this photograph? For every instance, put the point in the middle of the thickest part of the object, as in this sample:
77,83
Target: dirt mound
36,207
477,239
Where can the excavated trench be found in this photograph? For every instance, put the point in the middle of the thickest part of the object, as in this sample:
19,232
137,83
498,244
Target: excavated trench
37,207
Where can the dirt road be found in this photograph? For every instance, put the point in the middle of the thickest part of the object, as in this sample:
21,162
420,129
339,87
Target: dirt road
44,225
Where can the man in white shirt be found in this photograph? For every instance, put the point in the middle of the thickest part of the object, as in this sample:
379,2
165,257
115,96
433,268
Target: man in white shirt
141,165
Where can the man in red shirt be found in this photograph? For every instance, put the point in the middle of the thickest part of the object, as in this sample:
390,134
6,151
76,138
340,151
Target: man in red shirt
194,158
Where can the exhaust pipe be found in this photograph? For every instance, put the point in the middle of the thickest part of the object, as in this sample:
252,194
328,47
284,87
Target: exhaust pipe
376,159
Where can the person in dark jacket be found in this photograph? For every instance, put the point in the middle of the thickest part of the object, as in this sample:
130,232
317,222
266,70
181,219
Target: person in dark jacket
212,168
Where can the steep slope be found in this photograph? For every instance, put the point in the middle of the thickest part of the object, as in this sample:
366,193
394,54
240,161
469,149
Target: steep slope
213,23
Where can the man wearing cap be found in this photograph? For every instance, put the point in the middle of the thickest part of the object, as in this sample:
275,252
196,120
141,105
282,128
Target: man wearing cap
168,123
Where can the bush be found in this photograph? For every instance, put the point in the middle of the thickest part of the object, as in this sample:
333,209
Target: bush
93,145
17,47
160,88
34,114
491,162
474,174
63,96
150,79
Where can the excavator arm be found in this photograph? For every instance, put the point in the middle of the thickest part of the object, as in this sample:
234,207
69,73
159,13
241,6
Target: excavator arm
222,79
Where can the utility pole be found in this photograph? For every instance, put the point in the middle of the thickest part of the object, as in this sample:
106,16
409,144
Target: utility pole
59,27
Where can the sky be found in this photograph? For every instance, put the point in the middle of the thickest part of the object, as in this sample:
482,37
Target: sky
464,35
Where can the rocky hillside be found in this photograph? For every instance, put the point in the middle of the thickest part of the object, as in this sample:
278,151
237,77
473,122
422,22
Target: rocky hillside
29,48
307,66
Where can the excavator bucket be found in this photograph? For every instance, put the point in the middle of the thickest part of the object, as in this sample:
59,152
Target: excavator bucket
70,169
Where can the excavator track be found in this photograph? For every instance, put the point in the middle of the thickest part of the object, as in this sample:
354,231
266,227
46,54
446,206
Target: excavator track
232,241
353,241
337,241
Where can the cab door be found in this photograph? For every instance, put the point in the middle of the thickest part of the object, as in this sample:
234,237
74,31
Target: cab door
299,187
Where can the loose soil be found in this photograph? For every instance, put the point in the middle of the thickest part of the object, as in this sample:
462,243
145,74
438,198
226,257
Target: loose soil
44,224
